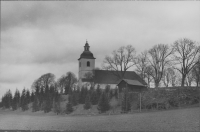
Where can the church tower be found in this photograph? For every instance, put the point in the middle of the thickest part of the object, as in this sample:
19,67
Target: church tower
86,63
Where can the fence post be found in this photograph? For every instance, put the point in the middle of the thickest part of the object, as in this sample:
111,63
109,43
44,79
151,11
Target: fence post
140,101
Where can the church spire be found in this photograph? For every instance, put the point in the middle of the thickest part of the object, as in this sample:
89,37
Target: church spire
86,47
87,54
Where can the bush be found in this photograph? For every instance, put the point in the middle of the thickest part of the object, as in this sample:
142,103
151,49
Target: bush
174,101
69,108
35,105
57,108
56,103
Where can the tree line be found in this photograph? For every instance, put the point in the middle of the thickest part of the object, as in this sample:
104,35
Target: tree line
18,100
177,64
46,95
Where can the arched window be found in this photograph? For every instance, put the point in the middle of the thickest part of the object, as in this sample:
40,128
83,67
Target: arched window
88,64
79,64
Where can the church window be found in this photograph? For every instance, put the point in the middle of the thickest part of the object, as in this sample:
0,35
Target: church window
79,64
88,64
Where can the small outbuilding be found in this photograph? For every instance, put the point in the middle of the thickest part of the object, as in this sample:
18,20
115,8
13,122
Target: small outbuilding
131,85
134,88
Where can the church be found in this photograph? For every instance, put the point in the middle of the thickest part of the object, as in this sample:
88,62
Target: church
102,77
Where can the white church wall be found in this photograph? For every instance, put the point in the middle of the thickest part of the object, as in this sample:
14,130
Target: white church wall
83,69
103,86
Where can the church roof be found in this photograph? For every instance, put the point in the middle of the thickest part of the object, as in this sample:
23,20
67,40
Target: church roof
86,53
109,77
132,82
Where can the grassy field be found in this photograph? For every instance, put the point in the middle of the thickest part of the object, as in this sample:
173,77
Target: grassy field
187,119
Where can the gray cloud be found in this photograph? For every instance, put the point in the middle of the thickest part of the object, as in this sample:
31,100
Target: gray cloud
40,37
45,14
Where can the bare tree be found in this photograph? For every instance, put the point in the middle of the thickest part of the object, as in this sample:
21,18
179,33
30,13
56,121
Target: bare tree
189,79
142,63
173,77
143,68
196,73
169,77
166,78
185,56
149,72
159,59
120,60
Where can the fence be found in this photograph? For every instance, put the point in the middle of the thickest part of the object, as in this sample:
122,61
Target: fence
165,98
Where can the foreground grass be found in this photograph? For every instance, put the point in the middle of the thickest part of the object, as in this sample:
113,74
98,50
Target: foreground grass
187,119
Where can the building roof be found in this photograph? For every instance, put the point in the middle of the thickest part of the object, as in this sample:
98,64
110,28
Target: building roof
109,77
132,82
86,53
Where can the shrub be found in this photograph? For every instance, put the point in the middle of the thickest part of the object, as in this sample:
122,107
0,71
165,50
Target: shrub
35,105
69,108
57,108
56,103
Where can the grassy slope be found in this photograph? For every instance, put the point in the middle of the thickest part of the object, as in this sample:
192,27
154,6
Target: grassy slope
187,119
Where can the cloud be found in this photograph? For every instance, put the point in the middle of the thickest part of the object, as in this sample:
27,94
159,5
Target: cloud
39,37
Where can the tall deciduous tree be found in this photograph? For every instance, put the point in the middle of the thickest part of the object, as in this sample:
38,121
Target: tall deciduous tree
120,60
159,59
196,73
45,81
149,71
170,77
189,79
166,78
185,56
142,64
66,82
41,87
143,68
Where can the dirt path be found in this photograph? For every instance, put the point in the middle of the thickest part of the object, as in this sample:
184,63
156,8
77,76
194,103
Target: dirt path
172,120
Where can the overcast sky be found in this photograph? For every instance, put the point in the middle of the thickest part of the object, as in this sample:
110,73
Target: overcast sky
42,37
